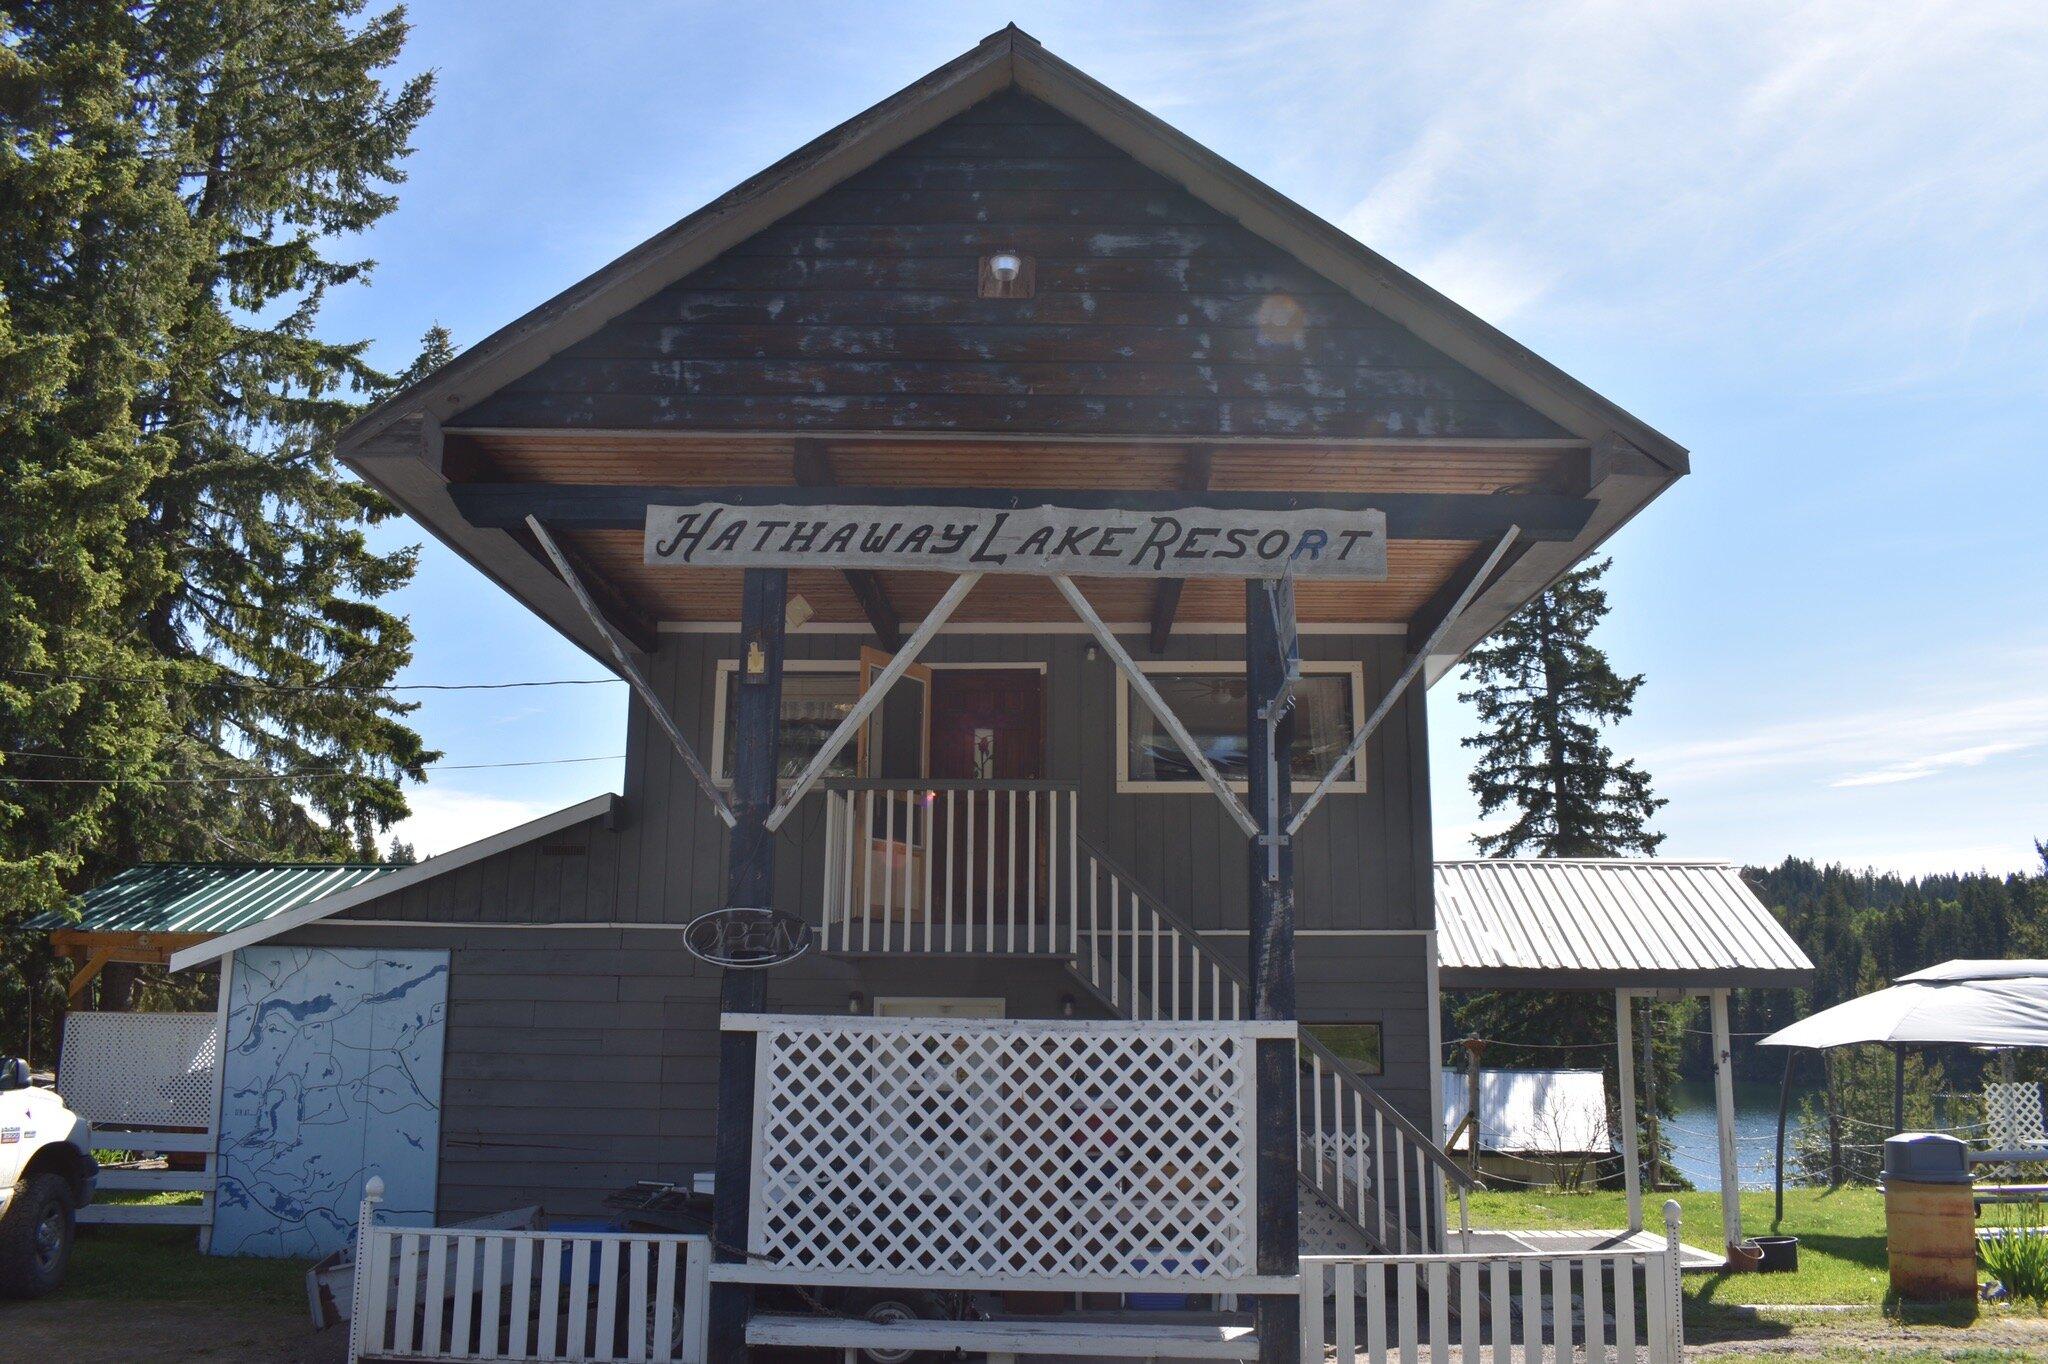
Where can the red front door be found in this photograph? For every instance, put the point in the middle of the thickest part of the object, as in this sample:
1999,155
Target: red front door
988,725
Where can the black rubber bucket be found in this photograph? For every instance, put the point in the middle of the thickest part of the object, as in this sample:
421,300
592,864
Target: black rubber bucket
1780,1254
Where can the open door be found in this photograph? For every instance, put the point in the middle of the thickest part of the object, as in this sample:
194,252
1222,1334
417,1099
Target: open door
895,745
896,742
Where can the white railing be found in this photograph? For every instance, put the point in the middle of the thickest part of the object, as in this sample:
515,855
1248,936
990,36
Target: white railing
1498,1307
1004,868
448,1293
950,866
996,1154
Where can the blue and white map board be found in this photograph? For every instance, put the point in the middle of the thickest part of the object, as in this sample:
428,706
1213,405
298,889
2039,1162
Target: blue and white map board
333,1074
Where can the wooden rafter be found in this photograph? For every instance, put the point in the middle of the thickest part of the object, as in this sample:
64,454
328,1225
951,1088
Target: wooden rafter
86,974
813,469
1166,596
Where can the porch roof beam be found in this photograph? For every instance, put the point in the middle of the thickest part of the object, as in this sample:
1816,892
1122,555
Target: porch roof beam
1410,516
926,630
634,677
1416,660
1166,595
1154,702
813,469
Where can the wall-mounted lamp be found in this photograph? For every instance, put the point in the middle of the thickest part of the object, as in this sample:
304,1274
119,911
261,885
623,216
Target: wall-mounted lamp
1066,1006
856,1003
1006,274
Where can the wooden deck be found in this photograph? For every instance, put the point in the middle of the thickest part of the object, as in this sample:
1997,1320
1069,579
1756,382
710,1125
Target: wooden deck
1691,1259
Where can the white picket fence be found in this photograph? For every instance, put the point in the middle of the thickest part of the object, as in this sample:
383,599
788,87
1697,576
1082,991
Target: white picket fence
457,1293
1462,1309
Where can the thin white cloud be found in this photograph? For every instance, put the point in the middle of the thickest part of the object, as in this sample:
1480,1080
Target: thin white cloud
2001,711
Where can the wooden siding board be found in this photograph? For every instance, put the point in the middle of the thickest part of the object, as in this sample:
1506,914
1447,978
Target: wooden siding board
1153,314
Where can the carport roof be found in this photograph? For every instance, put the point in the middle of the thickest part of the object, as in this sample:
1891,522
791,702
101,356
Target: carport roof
203,897
1554,923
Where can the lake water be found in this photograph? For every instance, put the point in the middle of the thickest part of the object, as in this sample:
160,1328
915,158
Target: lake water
1689,1135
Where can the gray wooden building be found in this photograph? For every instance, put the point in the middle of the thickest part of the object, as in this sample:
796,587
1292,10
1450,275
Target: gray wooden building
1006,278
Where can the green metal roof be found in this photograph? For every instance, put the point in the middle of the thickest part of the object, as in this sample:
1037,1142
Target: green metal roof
204,897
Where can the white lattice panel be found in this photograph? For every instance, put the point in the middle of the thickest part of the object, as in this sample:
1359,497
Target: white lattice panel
142,1070
2012,1111
1004,1152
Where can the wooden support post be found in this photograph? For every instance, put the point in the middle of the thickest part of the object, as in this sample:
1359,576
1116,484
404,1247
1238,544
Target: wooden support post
1655,1164
1271,950
84,975
1724,1121
1625,1065
1784,1107
749,883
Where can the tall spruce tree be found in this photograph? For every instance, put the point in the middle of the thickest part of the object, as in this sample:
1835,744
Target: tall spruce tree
289,143
1543,691
192,657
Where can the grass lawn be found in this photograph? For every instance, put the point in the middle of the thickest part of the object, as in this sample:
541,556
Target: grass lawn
163,1264
1841,1237
1768,1317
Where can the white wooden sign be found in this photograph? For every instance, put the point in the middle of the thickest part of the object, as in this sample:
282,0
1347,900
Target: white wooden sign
1187,542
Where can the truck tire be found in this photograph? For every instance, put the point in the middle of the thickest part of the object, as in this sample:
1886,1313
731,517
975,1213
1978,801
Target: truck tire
35,1236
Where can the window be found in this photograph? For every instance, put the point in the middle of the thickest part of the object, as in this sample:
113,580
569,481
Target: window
816,696
1209,699
1356,1044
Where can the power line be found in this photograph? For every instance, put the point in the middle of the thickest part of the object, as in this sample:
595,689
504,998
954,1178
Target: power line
287,776
253,684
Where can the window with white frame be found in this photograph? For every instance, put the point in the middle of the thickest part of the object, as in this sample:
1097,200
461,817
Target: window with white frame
1209,699
816,696
1358,1045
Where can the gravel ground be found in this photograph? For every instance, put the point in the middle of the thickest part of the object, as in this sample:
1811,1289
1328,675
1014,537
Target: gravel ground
123,1332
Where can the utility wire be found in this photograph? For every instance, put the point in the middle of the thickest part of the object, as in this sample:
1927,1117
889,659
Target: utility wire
286,776
252,684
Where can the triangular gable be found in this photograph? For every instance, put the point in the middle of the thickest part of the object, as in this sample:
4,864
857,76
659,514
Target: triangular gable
1151,314
1005,60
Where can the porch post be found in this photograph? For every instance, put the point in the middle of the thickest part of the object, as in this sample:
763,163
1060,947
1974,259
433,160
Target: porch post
749,882
1625,1067
1724,1121
1271,949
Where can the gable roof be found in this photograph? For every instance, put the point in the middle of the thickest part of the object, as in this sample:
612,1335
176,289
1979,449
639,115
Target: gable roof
1560,923
397,447
399,878
203,897
1006,59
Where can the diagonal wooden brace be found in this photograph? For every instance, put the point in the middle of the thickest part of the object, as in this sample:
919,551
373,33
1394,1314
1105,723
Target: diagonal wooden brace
634,679
1156,703
1408,674
872,698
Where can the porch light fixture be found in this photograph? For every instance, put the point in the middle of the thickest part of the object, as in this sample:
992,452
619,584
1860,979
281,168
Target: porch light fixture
1066,1006
1006,274
856,1003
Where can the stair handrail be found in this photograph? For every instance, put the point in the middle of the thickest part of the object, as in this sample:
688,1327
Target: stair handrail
1437,1156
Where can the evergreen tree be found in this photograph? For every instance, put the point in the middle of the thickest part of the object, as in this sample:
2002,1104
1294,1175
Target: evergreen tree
279,142
1543,691
192,658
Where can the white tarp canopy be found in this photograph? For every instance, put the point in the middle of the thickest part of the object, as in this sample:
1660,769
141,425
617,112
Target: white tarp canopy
1974,1003
1546,1112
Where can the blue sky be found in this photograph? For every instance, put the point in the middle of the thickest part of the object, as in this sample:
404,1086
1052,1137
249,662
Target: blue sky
1808,241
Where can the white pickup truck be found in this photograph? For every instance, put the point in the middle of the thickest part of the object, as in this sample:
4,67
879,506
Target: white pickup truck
47,1174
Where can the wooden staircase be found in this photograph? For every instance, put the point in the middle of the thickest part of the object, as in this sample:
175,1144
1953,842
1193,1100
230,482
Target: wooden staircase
1371,1180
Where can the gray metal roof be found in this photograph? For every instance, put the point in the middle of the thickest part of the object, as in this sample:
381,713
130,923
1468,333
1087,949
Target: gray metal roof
1557,923
204,897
